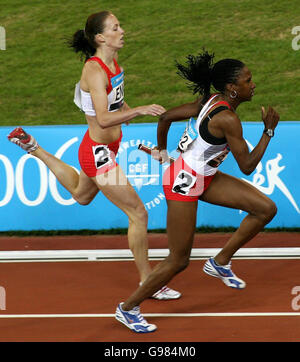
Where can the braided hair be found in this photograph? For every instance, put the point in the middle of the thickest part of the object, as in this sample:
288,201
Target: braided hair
201,73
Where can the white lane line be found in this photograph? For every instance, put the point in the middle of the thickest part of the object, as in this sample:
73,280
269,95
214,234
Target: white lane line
154,254
160,315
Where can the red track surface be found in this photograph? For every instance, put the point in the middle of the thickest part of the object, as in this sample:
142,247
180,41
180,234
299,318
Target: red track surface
97,288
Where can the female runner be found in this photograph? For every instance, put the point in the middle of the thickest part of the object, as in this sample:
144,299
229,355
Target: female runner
100,95
195,176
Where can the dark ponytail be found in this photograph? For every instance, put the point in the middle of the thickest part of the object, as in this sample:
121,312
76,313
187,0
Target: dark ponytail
80,44
83,41
198,73
201,73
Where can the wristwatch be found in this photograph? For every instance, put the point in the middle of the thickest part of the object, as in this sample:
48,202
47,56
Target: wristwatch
269,132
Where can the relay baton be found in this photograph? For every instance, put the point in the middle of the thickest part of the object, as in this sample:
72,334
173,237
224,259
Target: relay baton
149,150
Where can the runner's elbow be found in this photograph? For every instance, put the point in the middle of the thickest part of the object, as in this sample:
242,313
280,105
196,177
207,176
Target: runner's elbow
247,166
102,123
247,169
164,117
161,118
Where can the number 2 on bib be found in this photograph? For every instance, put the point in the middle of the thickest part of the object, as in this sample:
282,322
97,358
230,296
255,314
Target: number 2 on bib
101,156
183,182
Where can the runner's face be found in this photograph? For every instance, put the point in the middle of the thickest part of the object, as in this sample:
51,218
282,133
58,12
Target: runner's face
244,85
113,34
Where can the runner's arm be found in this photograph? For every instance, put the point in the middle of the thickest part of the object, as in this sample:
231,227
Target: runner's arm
175,114
233,131
97,86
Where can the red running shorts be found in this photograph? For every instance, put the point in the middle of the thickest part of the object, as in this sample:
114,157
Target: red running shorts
181,183
97,158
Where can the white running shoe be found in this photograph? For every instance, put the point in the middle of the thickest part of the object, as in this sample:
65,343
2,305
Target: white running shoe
165,293
134,320
224,273
23,139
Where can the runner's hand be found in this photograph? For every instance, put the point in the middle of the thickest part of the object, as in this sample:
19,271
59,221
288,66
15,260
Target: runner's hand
151,110
271,118
161,156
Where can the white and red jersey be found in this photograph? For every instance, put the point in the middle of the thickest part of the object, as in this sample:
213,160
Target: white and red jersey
114,90
206,152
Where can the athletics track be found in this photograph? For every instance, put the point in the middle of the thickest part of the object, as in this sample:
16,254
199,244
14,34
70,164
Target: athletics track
66,289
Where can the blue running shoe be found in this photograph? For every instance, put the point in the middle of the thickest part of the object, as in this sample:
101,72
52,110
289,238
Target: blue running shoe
134,320
224,273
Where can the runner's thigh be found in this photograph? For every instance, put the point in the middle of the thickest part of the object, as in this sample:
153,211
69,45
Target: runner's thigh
229,191
86,189
116,187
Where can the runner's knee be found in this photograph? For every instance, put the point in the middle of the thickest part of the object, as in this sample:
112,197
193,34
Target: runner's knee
82,199
181,265
272,210
178,264
139,215
268,211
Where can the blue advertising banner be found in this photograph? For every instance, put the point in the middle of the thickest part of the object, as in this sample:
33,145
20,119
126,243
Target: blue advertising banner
32,199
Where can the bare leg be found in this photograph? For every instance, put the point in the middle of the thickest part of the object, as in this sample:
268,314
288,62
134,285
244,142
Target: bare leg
181,222
81,187
118,190
231,192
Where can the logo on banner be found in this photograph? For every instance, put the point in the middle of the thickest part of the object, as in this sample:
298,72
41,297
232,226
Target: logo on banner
45,179
142,170
273,179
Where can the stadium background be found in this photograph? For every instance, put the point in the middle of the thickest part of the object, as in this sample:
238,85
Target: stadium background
37,77
41,71
38,72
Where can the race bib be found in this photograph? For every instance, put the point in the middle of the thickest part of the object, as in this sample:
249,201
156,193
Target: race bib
183,182
102,156
189,135
117,94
